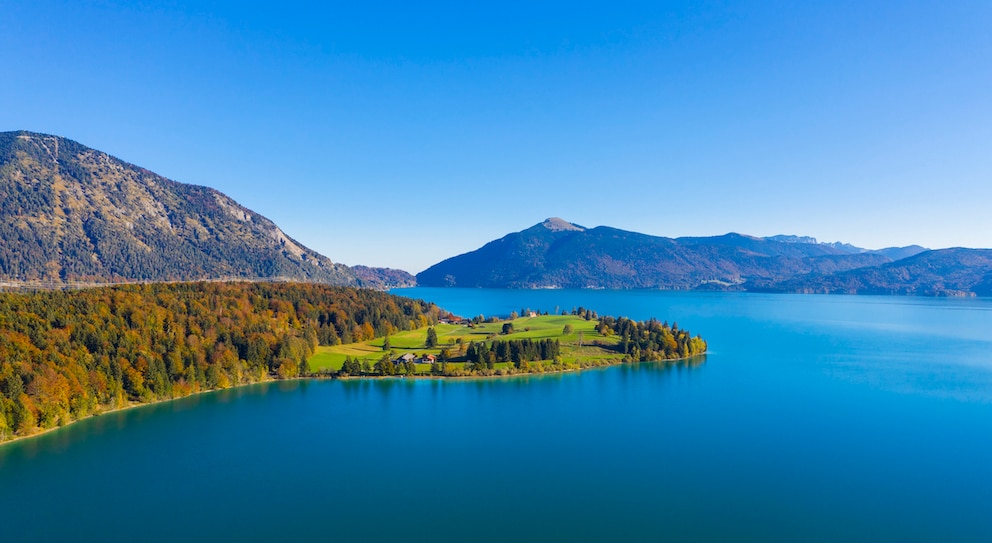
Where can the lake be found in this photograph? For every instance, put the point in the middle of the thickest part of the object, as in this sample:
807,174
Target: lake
813,418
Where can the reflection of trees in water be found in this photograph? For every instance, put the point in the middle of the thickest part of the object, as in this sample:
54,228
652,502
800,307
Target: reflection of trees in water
662,369
382,387
386,386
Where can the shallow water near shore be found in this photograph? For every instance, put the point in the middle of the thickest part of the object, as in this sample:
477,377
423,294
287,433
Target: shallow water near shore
814,418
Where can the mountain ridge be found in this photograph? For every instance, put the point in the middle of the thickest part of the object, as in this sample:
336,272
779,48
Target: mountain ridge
956,271
71,213
559,254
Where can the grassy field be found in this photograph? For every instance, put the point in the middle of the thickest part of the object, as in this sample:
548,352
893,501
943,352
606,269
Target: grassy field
448,335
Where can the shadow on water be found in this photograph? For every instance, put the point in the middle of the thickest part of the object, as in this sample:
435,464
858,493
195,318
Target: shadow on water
381,390
63,439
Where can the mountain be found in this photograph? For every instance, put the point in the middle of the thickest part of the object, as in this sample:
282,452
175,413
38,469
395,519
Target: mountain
899,253
70,213
383,278
783,238
893,253
559,254
944,272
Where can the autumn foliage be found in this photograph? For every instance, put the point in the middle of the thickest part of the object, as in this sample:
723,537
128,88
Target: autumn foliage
66,355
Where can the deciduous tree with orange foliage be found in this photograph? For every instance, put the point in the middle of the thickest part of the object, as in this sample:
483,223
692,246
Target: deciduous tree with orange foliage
68,354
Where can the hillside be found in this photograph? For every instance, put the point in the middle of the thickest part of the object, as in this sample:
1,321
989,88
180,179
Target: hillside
893,253
383,278
558,254
69,213
945,272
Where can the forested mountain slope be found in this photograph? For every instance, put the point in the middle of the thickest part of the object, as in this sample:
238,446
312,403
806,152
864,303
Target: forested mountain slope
69,213
558,254
944,272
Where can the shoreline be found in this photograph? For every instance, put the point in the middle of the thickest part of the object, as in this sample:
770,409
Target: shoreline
347,378
135,405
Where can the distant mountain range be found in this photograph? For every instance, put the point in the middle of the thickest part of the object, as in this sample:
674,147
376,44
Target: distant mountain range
69,213
945,272
559,254
894,253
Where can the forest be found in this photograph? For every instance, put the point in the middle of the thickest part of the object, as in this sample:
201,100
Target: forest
517,351
650,340
65,355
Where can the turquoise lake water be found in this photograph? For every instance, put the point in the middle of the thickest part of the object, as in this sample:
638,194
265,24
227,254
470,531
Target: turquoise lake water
813,418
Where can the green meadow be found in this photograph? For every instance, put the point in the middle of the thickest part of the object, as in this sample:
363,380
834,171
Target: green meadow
583,346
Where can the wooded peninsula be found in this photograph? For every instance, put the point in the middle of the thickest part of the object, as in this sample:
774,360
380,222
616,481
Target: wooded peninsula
66,355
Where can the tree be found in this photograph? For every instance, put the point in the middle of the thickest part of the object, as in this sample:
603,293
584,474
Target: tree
351,366
566,330
385,344
287,368
431,338
385,366
507,328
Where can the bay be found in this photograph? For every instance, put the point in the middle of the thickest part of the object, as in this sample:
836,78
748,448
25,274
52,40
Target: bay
814,418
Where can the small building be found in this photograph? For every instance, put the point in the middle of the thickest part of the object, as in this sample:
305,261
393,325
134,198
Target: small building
428,359
408,357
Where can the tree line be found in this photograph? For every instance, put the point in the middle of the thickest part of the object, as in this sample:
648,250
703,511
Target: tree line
68,354
651,340
517,351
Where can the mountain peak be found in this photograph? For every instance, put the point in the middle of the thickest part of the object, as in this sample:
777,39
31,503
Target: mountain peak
556,224
70,213
559,254
789,238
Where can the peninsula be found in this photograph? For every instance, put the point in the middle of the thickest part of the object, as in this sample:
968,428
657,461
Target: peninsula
67,355
531,343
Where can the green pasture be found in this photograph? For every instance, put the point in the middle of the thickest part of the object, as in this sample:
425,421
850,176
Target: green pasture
413,341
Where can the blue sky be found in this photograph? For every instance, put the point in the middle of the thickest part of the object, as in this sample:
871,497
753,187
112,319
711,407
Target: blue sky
394,134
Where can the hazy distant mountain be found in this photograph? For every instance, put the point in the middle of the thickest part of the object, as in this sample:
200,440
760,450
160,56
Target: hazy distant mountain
899,253
846,247
894,253
945,272
559,254
71,213
791,239
383,278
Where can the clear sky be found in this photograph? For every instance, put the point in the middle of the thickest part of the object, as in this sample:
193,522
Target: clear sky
399,134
